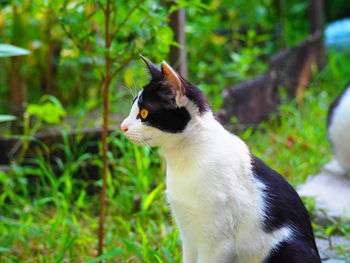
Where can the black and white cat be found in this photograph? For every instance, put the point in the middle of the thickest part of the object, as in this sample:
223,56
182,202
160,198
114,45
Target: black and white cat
338,124
229,206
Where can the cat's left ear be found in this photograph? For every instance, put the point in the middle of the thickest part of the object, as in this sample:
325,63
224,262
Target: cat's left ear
173,80
153,69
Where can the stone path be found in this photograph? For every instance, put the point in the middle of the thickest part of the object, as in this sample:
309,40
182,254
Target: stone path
331,192
328,249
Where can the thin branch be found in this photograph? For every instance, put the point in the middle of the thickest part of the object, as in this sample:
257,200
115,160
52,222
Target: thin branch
99,4
132,10
80,46
132,56
114,19
107,81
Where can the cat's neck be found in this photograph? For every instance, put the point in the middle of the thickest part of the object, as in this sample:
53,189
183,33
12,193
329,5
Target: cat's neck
202,132
206,142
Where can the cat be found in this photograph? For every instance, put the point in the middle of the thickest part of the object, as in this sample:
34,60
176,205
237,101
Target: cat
229,206
338,126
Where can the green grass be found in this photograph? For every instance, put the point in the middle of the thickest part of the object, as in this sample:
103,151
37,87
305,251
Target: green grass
56,219
53,217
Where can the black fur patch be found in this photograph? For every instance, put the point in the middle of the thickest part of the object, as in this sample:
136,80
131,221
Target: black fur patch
168,120
164,114
284,208
295,251
196,96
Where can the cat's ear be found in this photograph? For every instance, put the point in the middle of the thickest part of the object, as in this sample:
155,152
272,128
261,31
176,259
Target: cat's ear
173,80
153,69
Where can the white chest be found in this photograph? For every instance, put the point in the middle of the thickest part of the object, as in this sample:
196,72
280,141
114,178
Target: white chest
195,194
218,207
200,192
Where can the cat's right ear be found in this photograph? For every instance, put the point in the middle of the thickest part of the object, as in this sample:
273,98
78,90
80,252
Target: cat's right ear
153,69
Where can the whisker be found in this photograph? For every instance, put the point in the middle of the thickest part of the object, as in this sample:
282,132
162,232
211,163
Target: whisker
142,140
131,89
136,89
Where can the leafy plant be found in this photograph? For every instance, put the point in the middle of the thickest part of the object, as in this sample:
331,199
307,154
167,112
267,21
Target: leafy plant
48,110
49,204
7,50
4,118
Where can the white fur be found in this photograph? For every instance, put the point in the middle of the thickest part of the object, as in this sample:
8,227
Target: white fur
218,204
339,131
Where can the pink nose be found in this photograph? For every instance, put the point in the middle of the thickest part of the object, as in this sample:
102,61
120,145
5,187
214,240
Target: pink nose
124,128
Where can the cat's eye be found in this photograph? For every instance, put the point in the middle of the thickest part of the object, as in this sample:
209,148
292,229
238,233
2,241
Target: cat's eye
144,113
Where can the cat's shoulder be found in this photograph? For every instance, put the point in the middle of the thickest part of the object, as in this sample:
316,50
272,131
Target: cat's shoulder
264,172
269,177
283,204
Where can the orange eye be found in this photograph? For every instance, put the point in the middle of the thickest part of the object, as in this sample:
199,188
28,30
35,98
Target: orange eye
144,113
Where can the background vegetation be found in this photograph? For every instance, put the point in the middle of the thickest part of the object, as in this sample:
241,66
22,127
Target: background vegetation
49,203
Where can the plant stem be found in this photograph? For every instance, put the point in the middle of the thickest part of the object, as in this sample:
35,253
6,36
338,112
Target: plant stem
107,80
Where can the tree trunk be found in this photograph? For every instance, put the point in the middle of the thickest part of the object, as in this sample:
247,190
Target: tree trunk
316,15
178,55
17,90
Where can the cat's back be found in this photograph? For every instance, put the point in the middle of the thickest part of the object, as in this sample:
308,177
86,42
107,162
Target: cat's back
284,208
283,204
338,125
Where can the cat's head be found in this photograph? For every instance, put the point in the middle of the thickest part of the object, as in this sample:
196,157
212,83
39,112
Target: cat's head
163,110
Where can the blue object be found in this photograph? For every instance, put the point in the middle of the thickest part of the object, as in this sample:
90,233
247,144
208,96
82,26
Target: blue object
337,34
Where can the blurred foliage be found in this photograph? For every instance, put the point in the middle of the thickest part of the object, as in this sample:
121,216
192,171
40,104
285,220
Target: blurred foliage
336,9
66,41
48,207
49,110
10,50
231,41
48,203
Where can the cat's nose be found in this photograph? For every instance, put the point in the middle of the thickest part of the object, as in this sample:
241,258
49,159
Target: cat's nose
124,128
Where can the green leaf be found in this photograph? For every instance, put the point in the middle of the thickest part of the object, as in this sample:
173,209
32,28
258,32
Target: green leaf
4,118
50,110
129,77
329,230
7,50
149,199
